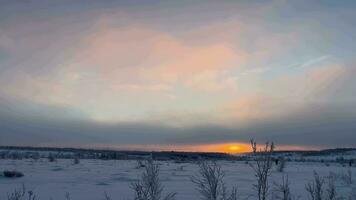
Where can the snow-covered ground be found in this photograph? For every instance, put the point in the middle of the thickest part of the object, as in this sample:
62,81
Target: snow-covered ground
91,178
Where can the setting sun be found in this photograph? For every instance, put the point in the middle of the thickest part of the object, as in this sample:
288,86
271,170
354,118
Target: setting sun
234,148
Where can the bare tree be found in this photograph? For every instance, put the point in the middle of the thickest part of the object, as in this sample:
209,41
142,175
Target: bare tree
51,157
281,164
347,177
67,196
322,188
330,191
262,168
253,145
106,196
315,187
210,184
282,189
76,160
150,187
139,164
352,195
20,194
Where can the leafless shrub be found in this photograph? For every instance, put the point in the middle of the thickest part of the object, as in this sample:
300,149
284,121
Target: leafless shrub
281,165
333,175
76,160
346,177
21,194
12,174
331,189
282,190
150,187
51,157
139,164
253,145
323,188
106,196
36,156
352,195
210,180
210,184
262,168
315,188
67,196
231,196
180,168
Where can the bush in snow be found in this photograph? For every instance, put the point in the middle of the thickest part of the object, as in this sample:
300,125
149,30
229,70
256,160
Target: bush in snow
210,183
331,189
21,194
352,195
149,187
51,157
315,187
67,196
282,191
106,196
12,174
262,168
139,164
76,160
347,177
281,165
36,156
322,189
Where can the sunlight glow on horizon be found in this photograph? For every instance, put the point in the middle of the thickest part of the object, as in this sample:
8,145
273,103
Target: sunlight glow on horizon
230,148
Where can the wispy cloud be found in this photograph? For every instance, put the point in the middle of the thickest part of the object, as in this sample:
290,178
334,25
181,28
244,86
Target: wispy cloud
315,61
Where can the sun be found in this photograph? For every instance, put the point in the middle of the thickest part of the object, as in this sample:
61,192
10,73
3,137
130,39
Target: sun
234,148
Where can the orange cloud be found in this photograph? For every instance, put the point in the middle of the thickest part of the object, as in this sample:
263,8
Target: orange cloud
140,56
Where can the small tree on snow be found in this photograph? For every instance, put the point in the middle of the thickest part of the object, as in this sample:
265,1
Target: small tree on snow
315,188
322,189
281,164
210,183
282,190
21,194
51,157
149,187
262,168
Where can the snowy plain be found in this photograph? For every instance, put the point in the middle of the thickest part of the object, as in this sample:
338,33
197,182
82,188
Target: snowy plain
90,179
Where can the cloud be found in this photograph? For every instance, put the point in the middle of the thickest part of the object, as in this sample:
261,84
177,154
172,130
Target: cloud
130,60
140,55
136,58
249,109
328,125
289,95
315,61
5,41
112,74
311,84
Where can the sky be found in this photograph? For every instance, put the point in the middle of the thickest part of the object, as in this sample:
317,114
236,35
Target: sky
178,75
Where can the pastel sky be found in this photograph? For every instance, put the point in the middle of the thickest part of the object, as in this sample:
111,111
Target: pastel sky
177,75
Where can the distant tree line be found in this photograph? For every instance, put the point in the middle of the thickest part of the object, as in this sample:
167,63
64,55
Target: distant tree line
72,153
